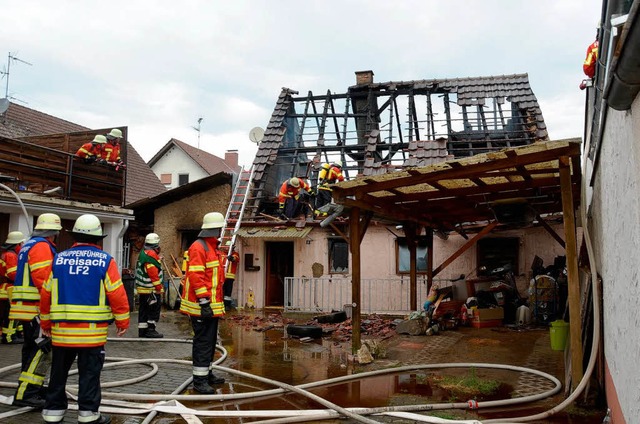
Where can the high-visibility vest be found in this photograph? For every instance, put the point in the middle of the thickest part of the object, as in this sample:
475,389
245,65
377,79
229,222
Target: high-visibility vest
589,66
25,296
148,266
204,278
84,294
8,268
329,174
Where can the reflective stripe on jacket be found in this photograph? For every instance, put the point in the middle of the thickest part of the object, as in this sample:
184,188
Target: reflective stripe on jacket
330,176
589,66
33,269
89,150
287,190
111,152
85,293
232,268
204,278
148,272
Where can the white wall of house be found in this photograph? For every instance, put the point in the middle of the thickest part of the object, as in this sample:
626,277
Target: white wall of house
378,256
176,162
615,227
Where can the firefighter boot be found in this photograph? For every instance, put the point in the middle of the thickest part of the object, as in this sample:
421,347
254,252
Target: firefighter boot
201,385
151,333
142,332
213,380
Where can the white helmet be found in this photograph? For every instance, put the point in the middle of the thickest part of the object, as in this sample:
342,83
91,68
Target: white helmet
88,225
338,163
115,133
99,139
294,182
48,221
212,220
152,239
14,237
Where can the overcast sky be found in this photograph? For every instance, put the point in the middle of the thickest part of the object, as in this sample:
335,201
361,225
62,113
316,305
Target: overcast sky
157,66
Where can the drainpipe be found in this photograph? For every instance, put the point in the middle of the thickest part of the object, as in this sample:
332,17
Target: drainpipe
125,226
623,81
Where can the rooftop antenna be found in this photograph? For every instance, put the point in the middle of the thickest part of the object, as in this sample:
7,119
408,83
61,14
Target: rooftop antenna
198,129
6,70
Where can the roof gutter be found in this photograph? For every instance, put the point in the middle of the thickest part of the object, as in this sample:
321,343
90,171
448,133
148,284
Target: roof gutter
623,81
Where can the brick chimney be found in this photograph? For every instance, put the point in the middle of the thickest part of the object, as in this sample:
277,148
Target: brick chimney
364,77
231,158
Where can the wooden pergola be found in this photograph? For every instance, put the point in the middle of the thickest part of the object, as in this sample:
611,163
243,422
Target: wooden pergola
466,196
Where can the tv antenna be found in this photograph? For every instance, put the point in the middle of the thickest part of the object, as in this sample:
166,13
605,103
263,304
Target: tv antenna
5,71
198,129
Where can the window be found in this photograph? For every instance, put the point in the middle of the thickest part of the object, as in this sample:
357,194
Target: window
495,252
183,179
338,256
165,179
403,260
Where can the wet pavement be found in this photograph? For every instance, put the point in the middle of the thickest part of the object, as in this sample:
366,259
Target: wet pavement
271,355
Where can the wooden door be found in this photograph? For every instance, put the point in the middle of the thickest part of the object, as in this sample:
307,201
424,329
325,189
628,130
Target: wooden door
279,265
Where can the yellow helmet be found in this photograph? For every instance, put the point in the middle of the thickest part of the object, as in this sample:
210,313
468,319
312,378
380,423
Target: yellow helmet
99,139
14,237
88,225
152,238
294,182
48,221
212,220
115,133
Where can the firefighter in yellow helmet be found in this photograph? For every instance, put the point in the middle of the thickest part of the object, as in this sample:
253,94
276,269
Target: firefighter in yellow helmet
149,287
289,198
330,173
203,299
8,269
92,151
34,268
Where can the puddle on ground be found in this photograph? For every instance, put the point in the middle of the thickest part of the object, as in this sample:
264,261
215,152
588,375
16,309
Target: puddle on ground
270,355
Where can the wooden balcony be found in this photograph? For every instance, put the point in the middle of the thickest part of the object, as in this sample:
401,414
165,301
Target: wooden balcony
48,165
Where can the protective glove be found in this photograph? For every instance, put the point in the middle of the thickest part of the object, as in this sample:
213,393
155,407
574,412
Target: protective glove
205,308
153,299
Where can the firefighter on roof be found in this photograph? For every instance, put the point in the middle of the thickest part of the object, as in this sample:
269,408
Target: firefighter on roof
111,151
329,174
203,299
289,198
34,268
83,295
149,287
92,151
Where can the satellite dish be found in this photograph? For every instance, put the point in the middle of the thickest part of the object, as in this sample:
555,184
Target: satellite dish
256,134
4,105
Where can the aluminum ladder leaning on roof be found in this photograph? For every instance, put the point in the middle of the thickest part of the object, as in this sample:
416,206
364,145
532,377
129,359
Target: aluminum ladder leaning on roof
233,218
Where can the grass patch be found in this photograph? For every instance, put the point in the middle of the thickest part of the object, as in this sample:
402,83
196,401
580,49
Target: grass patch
468,386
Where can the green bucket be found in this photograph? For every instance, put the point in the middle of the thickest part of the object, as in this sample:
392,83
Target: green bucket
559,331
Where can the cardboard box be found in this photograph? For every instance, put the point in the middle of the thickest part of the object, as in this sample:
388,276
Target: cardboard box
475,323
488,314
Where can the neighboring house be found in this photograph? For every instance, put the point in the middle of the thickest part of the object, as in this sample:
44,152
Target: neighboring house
38,163
612,184
366,129
178,163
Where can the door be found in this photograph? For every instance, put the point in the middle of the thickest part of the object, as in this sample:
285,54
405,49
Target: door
279,265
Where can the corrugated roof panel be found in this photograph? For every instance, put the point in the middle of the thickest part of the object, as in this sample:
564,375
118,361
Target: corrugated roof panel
273,232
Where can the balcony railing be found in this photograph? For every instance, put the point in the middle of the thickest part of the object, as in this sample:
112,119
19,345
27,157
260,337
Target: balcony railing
379,295
45,170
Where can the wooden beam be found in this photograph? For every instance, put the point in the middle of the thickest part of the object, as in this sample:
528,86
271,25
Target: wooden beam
354,246
465,247
573,278
550,230
364,224
340,233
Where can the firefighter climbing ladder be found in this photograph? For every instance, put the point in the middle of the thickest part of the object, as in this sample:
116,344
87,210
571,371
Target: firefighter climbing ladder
236,208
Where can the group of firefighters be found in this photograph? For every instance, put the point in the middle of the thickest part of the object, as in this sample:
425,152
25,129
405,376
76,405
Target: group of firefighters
292,199
103,149
62,303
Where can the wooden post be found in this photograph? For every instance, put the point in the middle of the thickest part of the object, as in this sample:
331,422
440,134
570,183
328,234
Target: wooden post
573,278
354,246
429,233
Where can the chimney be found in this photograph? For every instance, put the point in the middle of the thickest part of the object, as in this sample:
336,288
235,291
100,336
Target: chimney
231,158
364,77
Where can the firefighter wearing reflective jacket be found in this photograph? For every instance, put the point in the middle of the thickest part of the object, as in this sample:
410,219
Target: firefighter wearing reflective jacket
83,295
590,61
289,201
111,150
149,287
92,152
329,174
34,268
231,265
202,299
8,269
